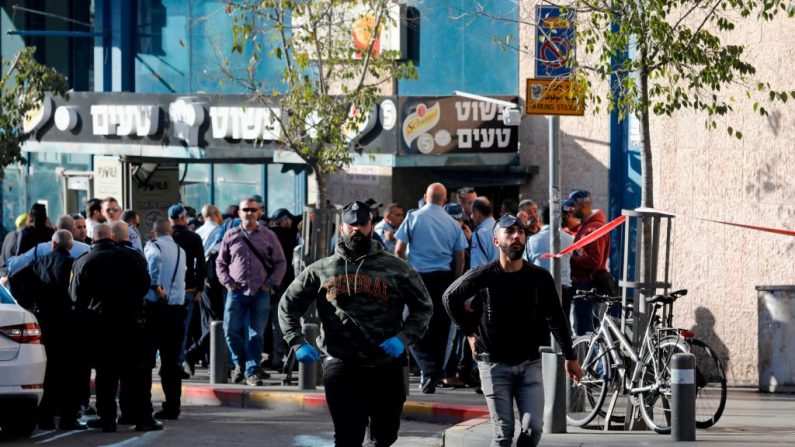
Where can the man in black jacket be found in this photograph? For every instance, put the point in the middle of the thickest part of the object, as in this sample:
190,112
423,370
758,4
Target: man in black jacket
194,275
506,307
108,288
43,287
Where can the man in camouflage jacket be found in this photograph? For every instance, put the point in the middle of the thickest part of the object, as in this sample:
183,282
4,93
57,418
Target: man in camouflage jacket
360,292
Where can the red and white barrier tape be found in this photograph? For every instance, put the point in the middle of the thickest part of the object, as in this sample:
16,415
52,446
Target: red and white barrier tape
613,224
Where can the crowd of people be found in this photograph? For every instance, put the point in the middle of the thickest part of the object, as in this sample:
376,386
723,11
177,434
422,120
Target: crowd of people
433,282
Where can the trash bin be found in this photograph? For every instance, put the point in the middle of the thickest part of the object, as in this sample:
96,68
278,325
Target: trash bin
776,318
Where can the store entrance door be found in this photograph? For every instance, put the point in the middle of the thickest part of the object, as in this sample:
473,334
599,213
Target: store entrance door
76,190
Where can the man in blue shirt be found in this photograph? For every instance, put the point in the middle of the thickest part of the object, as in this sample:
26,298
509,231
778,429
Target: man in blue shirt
538,245
64,222
434,244
482,250
393,217
164,313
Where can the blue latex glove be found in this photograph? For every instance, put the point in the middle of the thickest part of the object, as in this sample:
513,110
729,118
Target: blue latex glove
393,347
306,353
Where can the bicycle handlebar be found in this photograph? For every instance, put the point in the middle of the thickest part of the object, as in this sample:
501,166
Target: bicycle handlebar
594,295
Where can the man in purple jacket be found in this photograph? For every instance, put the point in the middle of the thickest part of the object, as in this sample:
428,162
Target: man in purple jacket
250,265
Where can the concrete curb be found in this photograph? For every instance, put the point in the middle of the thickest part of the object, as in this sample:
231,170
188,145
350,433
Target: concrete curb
438,413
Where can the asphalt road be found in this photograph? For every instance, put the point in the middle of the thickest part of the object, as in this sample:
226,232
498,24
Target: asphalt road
228,427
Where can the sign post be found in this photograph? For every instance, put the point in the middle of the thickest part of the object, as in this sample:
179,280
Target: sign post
548,95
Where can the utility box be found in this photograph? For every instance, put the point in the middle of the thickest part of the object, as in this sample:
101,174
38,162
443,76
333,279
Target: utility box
776,338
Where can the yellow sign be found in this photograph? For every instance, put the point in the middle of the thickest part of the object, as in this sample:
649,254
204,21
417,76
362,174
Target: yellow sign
551,97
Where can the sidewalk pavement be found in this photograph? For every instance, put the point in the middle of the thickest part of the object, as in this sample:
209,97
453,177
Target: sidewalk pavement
750,418
447,406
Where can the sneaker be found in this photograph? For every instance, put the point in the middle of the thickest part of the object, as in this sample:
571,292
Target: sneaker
151,425
253,380
88,410
238,376
262,375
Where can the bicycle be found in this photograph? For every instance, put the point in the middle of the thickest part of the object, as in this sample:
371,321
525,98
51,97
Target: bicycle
608,358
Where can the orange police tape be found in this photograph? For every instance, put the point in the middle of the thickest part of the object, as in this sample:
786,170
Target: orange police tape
607,228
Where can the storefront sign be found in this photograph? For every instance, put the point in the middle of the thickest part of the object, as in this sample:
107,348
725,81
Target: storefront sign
218,121
108,178
436,125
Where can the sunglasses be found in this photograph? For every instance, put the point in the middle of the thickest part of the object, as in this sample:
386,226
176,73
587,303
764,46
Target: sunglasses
112,210
249,210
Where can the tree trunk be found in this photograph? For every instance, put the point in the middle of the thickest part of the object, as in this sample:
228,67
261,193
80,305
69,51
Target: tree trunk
647,191
324,218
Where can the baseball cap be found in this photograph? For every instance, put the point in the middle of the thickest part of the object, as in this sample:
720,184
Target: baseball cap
568,205
508,221
257,198
454,210
579,196
176,211
21,221
356,213
372,203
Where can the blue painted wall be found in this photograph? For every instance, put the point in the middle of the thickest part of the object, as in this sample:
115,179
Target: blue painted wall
460,53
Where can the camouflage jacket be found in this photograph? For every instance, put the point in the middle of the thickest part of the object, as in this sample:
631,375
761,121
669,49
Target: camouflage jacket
360,302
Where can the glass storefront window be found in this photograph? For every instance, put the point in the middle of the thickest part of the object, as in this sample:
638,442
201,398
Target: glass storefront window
13,197
235,182
281,190
194,188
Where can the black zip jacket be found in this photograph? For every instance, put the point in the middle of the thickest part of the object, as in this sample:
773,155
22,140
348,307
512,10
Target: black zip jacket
194,254
513,312
43,286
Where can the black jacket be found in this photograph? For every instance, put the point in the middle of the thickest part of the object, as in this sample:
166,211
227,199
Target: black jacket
43,286
29,237
514,312
194,252
109,284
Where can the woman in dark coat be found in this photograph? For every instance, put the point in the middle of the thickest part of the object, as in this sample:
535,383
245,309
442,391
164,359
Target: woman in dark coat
37,230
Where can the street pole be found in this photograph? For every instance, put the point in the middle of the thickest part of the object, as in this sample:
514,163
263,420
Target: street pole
554,376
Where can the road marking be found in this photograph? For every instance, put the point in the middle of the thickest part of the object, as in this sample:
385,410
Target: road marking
44,433
62,435
312,441
137,440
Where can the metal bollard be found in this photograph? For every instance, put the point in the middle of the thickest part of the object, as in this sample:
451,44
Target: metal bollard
218,353
307,373
554,392
683,397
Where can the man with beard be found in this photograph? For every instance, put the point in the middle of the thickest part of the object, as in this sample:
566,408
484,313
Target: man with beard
360,291
250,265
506,307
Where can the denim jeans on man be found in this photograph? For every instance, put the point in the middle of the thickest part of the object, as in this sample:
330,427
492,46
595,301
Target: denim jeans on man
245,318
189,306
502,383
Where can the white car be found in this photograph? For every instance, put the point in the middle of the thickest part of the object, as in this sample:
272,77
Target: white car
22,365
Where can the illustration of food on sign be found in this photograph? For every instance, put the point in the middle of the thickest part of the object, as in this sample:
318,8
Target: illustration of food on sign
363,29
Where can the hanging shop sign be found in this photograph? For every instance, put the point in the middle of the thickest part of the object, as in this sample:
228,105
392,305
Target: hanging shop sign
452,124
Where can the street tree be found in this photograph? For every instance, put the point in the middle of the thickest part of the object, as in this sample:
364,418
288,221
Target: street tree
335,65
658,58
23,85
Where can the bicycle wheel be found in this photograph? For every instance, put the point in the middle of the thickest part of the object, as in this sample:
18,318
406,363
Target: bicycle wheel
655,403
584,399
710,385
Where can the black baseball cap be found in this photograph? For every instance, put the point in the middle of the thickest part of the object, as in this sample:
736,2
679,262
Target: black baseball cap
356,213
508,221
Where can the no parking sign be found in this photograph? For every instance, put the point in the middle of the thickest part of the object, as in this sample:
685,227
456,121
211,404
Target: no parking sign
554,41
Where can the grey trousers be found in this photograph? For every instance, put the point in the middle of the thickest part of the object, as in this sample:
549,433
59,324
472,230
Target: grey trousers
502,384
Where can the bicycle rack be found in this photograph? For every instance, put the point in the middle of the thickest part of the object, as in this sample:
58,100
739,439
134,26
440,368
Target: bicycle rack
644,283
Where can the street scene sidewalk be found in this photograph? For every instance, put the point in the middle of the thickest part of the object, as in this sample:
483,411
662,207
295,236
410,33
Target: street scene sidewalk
750,417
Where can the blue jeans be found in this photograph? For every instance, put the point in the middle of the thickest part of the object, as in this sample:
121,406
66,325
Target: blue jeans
502,383
245,318
189,305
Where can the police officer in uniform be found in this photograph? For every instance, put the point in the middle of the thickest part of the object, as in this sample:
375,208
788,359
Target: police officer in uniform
108,286
434,244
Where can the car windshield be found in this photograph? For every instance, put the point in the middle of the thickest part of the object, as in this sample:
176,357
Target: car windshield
5,297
